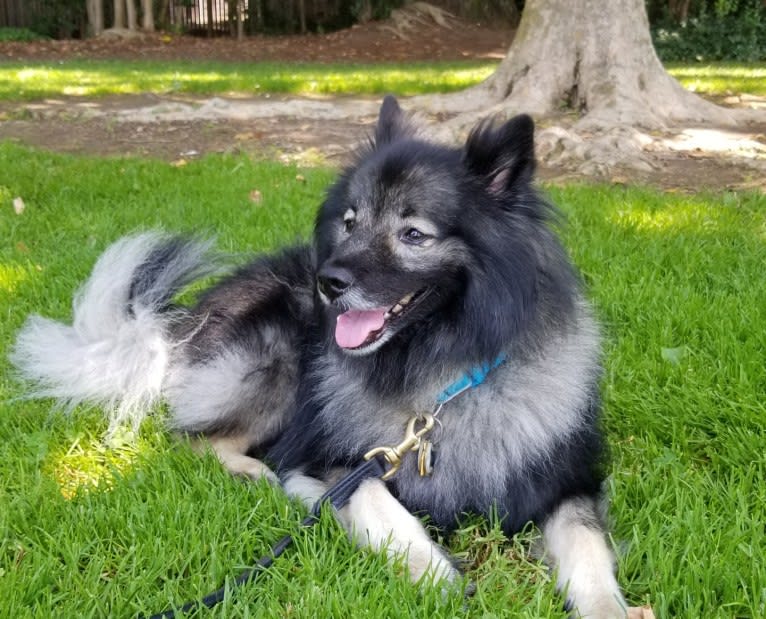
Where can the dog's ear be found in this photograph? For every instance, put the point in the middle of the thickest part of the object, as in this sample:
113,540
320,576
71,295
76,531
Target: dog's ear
502,155
392,123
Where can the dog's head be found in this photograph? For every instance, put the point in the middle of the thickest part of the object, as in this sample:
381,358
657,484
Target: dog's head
414,229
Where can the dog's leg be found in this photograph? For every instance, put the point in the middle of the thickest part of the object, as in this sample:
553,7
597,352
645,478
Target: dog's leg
231,451
373,517
307,489
576,546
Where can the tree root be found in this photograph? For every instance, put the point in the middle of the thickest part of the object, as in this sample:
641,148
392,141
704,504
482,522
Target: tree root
403,20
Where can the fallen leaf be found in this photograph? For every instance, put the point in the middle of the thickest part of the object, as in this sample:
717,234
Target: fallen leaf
673,355
22,247
300,178
18,205
256,197
178,163
640,612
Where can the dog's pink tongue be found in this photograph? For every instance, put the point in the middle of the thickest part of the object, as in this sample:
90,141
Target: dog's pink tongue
354,326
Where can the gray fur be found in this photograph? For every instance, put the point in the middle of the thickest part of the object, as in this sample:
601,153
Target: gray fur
239,391
451,251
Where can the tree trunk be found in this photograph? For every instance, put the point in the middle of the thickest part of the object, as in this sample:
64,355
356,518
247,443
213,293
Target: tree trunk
679,10
591,64
147,19
95,11
130,9
302,15
593,57
163,15
241,14
119,14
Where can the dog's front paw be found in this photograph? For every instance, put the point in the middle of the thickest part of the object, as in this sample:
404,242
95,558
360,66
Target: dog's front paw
431,564
604,607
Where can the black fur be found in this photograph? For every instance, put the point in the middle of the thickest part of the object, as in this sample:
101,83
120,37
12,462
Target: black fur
431,260
510,293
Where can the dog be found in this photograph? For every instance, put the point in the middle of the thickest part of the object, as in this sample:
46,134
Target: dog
435,296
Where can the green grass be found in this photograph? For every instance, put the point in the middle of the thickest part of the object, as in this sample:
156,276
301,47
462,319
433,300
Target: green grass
721,78
20,80
87,530
34,80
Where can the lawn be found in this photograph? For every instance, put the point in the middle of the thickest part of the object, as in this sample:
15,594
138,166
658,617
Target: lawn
94,530
35,80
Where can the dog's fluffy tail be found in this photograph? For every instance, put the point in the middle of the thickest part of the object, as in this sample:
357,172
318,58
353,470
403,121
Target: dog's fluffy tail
117,351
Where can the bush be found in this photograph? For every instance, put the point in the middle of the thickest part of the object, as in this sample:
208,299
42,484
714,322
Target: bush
19,34
721,30
58,19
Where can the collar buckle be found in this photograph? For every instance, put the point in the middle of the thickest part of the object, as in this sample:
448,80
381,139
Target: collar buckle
412,441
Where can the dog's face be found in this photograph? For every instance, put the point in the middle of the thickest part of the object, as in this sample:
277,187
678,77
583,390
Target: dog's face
391,238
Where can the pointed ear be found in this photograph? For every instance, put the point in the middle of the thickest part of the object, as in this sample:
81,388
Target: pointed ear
391,122
502,155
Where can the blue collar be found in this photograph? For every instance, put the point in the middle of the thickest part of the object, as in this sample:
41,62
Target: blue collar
472,378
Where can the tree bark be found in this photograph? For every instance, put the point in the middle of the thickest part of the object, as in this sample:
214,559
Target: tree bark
163,15
241,14
130,9
119,14
95,11
591,57
147,19
679,10
302,15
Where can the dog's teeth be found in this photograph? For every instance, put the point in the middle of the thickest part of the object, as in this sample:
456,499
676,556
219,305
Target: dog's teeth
397,308
406,298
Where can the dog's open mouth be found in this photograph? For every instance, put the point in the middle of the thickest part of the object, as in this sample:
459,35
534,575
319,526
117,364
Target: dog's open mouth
359,328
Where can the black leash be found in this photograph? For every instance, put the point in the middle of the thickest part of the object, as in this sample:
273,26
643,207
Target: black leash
415,439
337,496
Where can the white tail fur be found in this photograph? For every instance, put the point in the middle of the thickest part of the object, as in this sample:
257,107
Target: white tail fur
116,352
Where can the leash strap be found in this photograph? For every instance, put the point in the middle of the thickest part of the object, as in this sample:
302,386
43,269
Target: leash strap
337,496
471,379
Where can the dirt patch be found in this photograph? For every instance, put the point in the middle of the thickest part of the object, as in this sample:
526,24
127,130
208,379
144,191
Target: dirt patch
323,128
372,42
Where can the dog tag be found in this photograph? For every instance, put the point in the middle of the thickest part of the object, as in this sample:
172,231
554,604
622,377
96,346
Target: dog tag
425,458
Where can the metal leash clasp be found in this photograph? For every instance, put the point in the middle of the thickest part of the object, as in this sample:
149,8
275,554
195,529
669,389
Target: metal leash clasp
411,442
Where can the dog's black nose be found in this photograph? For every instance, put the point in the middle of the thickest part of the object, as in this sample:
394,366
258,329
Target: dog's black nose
333,281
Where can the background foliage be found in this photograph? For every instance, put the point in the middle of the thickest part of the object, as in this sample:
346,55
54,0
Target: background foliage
686,30
712,30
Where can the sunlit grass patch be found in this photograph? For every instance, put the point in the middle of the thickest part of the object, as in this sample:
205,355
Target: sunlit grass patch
11,275
33,80
676,280
721,78
94,462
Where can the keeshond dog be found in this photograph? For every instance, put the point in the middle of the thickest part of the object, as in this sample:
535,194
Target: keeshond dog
434,296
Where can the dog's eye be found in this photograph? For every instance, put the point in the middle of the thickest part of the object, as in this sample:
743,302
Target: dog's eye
413,236
349,220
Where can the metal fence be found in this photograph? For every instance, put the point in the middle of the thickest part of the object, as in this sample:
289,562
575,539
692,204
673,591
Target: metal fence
19,13
208,17
201,17
67,18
